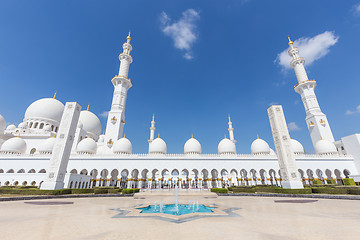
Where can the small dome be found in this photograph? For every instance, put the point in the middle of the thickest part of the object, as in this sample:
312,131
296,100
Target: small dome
297,147
226,146
157,146
101,138
22,125
87,145
123,145
47,128
91,122
47,145
259,146
11,127
325,147
192,146
45,109
14,145
2,124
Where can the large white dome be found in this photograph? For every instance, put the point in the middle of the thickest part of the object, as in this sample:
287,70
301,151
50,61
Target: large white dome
325,147
45,109
47,145
192,146
87,145
91,122
123,145
14,145
157,146
226,146
297,147
259,146
2,124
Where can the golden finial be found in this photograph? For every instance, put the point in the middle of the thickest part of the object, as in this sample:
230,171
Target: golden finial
225,136
124,135
88,107
54,97
153,116
290,42
257,136
128,37
192,135
321,138
159,135
229,118
89,135
18,135
54,135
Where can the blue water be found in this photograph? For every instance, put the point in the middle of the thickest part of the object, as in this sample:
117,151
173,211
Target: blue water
170,209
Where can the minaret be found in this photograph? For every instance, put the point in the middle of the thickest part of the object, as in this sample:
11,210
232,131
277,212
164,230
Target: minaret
231,131
316,120
116,118
152,129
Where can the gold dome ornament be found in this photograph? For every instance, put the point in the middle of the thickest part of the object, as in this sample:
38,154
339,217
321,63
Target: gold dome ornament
290,42
128,37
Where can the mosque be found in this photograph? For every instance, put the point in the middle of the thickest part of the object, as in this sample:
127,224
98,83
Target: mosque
98,159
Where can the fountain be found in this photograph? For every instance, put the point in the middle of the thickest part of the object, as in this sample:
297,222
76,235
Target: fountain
176,208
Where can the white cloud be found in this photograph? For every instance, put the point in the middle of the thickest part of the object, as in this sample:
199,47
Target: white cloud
350,112
182,32
104,114
293,127
356,8
311,49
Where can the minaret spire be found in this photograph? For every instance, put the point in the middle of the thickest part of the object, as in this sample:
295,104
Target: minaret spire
231,130
116,118
152,129
316,120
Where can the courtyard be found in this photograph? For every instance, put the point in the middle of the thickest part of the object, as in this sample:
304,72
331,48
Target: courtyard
234,218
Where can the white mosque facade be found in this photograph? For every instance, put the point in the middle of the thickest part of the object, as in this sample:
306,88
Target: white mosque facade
107,160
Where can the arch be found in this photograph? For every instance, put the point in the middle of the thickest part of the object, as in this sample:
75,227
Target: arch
33,150
302,175
75,185
263,176
83,185
71,184
1,170
41,126
84,172
52,127
346,173
56,129
73,171
16,183
114,174
24,183
42,171
273,180
10,171
40,184
31,124
33,183
32,171
328,174
7,183
103,177
36,124
21,171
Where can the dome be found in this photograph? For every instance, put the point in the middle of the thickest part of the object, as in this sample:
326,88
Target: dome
87,145
259,146
192,146
2,124
14,145
46,109
47,145
297,147
123,145
226,146
323,147
11,127
158,146
91,122
22,125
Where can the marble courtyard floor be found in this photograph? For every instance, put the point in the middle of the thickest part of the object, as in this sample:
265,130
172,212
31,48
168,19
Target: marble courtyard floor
235,218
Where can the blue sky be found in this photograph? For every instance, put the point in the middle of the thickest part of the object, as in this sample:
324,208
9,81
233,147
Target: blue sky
195,62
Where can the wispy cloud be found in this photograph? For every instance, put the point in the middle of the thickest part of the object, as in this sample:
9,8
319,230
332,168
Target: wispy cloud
350,112
356,8
292,126
183,32
104,114
311,49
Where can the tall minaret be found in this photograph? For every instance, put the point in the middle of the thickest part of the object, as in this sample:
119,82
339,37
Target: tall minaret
152,129
231,131
317,123
116,117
